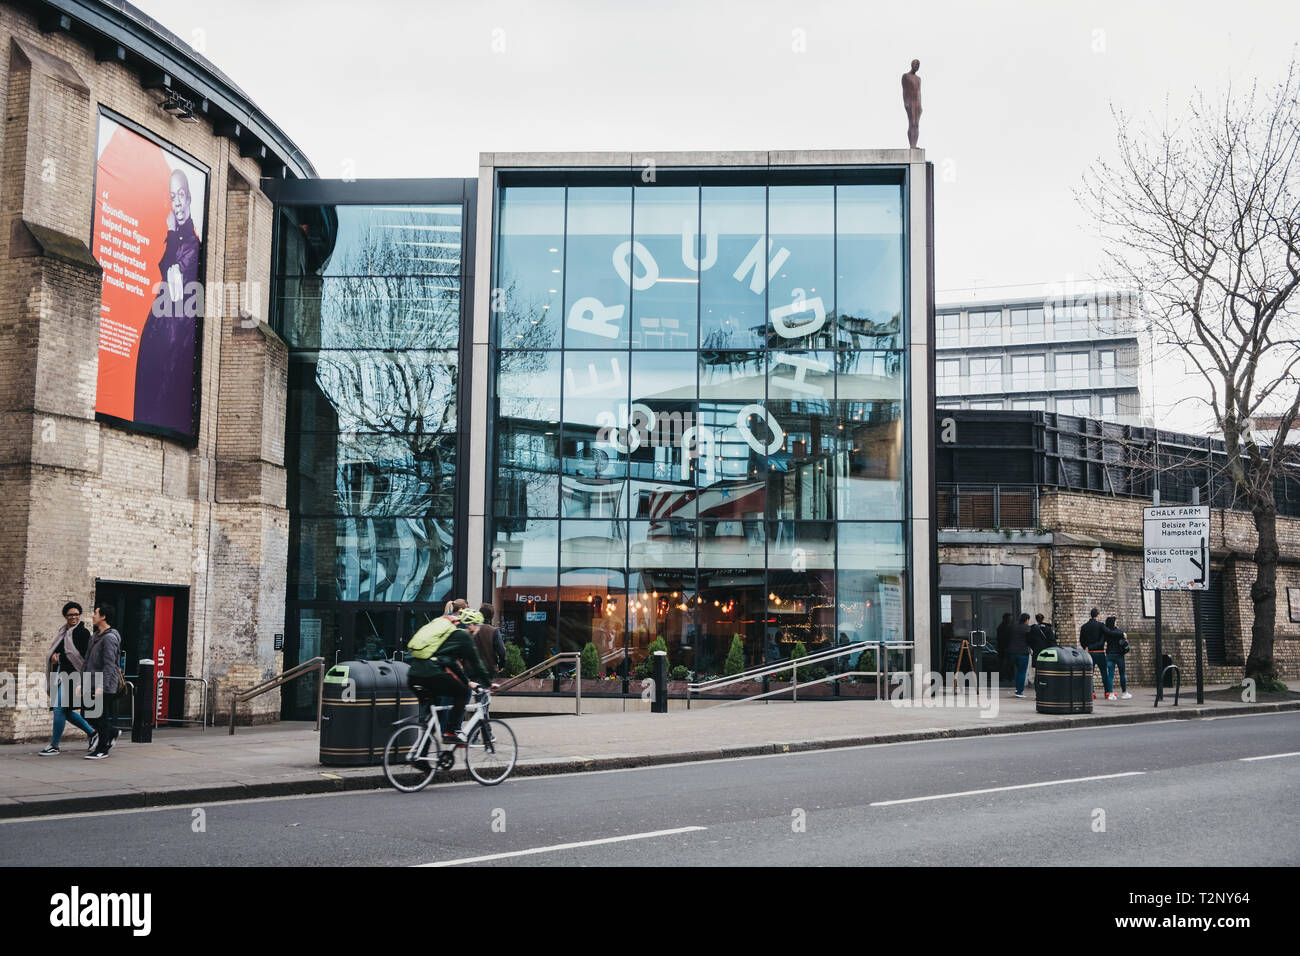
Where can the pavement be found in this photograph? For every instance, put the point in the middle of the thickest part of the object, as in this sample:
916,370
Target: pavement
191,765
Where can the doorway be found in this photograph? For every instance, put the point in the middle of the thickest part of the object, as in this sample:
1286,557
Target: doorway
153,620
975,610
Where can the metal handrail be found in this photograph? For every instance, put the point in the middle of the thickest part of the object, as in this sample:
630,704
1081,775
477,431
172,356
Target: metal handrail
203,703
881,649
573,656
766,670
1178,683
619,652
315,664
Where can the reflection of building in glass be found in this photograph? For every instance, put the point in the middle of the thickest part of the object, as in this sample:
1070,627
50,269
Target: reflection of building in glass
369,302
699,420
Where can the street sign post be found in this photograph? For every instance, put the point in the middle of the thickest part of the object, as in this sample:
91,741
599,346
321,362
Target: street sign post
1176,557
1176,548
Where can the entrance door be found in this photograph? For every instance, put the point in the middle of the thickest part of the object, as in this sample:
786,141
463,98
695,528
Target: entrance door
974,610
154,623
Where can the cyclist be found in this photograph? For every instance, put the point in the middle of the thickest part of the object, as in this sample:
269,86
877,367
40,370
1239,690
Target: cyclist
437,655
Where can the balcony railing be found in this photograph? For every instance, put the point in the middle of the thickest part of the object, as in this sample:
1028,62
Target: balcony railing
1002,383
987,507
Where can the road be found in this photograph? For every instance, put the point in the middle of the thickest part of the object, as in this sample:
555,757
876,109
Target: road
1179,793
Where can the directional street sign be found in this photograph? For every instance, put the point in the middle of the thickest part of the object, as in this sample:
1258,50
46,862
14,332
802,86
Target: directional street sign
1176,548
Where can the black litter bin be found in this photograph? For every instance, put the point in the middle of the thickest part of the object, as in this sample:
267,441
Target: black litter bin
360,702
1165,661
1063,680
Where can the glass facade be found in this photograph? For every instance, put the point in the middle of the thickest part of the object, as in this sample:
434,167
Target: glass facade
697,397
368,298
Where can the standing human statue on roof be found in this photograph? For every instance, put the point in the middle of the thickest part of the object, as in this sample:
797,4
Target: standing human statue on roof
912,103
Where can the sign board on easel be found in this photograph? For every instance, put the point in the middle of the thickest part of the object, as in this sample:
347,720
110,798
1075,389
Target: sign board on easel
1176,548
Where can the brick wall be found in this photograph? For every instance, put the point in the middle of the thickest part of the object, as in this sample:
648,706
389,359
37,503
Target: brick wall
85,500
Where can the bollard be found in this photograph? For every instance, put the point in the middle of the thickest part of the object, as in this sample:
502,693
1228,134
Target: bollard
145,695
660,704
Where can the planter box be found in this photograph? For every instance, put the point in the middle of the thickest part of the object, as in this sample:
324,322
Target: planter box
857,691
532,686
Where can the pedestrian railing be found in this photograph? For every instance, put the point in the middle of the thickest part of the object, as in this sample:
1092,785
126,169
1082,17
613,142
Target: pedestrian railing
881,651
203,703
570,656
316,664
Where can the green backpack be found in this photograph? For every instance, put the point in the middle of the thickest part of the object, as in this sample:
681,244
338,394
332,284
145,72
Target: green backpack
426,641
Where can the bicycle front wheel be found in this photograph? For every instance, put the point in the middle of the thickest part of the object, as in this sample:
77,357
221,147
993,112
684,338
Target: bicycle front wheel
490,752
405,769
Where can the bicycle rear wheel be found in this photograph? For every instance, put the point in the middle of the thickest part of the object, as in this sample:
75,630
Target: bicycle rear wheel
404,769
490,752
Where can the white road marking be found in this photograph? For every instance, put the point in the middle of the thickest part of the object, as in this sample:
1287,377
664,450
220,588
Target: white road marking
564,846
1294,753
1019,786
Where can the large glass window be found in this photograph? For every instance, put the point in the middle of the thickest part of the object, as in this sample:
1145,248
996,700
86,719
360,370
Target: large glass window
947,330
1028,372
1106,369
986,375
948,376
869,266
726,383
528,310
801,304
1071,370
369,300
1027,325
662,263
985,328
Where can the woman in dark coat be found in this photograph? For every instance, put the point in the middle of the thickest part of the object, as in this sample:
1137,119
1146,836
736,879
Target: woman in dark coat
65,659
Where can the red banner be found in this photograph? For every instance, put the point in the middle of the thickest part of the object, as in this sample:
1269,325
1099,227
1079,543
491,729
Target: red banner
162,654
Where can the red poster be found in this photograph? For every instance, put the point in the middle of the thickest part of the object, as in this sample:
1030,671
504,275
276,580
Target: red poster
149,209
162,653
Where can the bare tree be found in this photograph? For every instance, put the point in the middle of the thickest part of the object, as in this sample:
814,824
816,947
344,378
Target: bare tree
1202,219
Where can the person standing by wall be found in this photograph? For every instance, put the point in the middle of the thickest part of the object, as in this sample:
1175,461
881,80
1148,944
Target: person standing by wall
66,657
101,658
1092,638
1116,648
1018,649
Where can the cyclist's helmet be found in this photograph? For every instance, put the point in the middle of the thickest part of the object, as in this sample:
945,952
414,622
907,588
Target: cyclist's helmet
468,616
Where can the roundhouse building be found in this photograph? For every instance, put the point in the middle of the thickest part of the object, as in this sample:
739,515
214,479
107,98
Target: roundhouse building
142,393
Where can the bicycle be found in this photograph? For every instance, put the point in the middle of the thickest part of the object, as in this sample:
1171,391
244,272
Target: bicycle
415,753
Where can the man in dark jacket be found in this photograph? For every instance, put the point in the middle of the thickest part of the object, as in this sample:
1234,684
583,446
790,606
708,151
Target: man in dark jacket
101,659
488,640
66,657
1018,650
1092,638
443,675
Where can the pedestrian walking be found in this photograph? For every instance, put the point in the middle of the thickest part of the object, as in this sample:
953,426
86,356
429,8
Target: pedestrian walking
66,657
101,658
491,646
1116,650
1092,638
1018,648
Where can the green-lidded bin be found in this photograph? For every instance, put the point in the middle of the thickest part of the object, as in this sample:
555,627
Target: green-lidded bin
360,702
1063,680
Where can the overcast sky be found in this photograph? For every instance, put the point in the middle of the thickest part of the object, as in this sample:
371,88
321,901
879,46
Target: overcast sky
1016,96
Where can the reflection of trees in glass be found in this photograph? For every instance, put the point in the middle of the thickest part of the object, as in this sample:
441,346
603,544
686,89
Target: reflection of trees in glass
528,389
396,408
